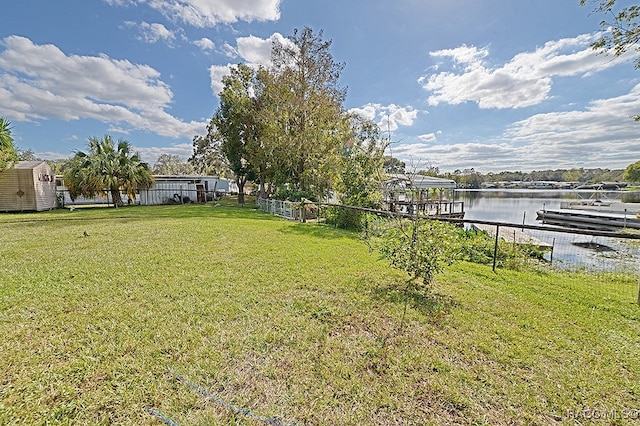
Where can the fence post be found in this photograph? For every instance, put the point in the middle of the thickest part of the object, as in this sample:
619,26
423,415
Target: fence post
495,248
304,212
638,291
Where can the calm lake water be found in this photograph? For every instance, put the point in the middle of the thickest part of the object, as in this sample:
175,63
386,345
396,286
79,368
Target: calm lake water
519,206
515,204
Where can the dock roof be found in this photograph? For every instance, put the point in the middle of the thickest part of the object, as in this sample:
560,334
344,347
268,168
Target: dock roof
422,182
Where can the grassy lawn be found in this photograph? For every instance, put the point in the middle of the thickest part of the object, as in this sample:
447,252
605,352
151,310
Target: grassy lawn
291,321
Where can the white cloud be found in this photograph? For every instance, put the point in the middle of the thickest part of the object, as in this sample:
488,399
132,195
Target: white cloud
251,50
119,2
496,156
368,112
52,155
115,129
388,118
147,154
469,56
604,130
524,81
601,135
205,44
41,82
150,154
216,73
257,51
429,137
484,157
152,33
209,13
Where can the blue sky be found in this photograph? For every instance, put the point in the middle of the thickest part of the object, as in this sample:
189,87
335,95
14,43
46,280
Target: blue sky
486,84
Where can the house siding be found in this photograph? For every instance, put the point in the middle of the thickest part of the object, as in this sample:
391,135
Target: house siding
165,187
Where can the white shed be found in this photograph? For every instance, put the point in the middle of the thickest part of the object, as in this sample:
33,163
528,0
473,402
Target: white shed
28,186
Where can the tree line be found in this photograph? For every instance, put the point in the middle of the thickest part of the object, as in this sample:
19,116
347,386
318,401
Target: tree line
469,178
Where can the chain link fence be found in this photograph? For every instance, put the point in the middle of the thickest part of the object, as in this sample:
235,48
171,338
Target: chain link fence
566,249
147,197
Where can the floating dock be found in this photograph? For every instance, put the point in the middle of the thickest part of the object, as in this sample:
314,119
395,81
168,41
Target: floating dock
513,235
589,219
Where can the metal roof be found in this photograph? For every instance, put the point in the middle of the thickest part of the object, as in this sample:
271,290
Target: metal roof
184,177
27,164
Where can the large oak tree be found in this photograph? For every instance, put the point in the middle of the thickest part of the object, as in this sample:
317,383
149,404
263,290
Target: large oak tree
283,125
236,123
303,113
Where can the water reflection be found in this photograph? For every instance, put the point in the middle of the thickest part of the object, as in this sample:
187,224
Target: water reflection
519,206
511,205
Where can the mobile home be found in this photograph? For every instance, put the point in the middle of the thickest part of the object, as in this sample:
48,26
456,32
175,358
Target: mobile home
183,189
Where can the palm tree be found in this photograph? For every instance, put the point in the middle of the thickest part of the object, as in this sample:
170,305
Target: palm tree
107,168
8,152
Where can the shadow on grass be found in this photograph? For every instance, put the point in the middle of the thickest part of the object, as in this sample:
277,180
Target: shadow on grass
175,211
432,305
317,230
239,212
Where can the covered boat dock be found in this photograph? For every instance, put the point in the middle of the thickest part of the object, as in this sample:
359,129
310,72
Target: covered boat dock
422,195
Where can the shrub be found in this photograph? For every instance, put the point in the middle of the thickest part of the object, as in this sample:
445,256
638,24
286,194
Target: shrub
422,248
287,194
347,218
479,247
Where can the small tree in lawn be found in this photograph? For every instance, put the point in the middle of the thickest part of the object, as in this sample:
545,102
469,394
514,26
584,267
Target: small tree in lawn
420,247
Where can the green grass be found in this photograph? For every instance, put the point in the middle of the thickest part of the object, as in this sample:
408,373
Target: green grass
294,321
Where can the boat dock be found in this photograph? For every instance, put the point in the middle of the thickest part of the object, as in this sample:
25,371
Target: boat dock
513,235
588,219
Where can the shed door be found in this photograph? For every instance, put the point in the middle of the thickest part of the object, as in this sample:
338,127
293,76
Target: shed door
202,197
